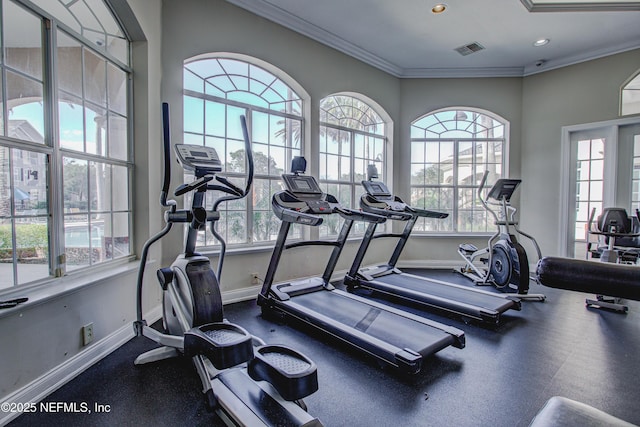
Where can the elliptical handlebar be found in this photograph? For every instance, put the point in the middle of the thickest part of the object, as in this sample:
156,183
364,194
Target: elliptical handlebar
171,203
236,192
483,182
184,215
166,149
485,204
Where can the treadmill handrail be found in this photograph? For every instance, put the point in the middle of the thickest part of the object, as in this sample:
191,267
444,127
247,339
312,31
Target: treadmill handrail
396,209
426,213
291,215
389,213
357,215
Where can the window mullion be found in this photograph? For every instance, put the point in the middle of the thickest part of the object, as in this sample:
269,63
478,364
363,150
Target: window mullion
456,152
352,167
56,182
14,243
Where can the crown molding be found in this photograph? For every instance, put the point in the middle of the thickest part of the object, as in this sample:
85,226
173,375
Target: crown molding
582,57
281,17
444,73
584,6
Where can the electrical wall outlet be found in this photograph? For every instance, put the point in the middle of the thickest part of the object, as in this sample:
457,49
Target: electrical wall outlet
87,333
255,280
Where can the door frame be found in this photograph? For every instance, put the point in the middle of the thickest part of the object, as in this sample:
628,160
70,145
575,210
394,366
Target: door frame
610,130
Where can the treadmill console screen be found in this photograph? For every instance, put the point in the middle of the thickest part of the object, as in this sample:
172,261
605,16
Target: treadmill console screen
301,184
376,188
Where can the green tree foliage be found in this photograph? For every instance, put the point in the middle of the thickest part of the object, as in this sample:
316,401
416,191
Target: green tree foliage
27,236
428,197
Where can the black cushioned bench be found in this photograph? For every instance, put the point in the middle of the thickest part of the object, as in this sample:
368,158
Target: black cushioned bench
562,412
618,280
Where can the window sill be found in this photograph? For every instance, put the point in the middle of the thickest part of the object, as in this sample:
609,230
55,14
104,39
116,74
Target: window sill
51,288
452,235
266,247
238,250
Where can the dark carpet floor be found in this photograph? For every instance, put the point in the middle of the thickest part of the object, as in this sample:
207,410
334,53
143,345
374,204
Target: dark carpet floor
502,378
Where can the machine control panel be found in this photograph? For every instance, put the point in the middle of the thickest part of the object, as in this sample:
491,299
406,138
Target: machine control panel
377,189
198,158
318,206
303,202
381,194
302,185
503,189
308,196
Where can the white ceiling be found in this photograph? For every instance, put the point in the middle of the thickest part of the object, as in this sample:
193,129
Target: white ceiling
405,39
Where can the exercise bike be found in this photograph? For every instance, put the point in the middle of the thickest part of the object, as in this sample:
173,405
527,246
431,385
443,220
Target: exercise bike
617,243
245,382
505,259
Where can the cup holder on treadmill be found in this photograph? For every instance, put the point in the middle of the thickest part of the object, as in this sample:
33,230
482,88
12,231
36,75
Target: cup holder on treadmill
291,373
225,344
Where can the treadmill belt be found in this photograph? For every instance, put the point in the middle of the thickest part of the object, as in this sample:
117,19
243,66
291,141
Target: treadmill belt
413,285
368,319
397,330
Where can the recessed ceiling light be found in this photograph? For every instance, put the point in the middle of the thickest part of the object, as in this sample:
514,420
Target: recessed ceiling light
439,8
541,42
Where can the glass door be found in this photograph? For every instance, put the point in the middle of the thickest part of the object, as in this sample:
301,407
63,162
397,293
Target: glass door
604,171
588,179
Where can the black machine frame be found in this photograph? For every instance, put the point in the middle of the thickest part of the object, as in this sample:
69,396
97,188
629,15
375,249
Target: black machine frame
390,280
507,263
240,379
391,336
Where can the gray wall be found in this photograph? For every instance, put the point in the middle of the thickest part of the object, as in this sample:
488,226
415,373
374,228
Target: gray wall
44,336
582,93
194,27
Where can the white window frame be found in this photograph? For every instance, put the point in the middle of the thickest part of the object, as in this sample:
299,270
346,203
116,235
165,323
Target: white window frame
305,101
51,148
626,108
386,174
504,165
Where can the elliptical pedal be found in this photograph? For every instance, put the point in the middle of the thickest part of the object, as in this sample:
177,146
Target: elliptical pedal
291,373
467,248
225,344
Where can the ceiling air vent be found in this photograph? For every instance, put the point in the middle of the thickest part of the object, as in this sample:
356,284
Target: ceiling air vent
470,48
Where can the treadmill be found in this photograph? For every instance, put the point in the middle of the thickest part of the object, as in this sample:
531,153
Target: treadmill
388,279
392,336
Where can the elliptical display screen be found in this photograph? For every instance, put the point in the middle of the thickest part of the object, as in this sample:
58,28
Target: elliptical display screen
201,159
301,184
503,188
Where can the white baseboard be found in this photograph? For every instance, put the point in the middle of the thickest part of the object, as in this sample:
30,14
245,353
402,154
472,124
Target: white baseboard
49,382
243,294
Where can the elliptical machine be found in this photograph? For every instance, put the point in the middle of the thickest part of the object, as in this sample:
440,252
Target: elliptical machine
506,258
245,385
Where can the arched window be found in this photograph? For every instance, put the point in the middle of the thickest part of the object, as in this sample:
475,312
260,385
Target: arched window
352,136
630,96
450,151
218,89
64,138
